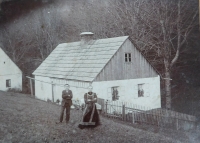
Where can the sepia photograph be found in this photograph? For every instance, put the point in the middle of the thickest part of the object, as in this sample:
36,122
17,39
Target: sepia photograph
99,71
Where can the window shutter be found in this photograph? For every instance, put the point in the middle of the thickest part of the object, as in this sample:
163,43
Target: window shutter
135,91
121,91
109,93
146,90
126,57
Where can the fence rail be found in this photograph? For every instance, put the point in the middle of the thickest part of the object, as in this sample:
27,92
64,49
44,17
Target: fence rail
139,114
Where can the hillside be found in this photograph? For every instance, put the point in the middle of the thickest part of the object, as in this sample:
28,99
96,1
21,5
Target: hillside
25,119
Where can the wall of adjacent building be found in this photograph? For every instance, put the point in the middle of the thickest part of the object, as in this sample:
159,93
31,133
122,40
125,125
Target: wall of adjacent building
16,81
9,71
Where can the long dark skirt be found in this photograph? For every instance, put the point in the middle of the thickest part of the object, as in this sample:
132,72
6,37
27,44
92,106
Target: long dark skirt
90,115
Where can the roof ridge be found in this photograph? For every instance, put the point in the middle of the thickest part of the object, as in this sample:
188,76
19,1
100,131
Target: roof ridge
95,40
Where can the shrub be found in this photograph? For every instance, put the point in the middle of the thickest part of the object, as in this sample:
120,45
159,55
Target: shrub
58,101
48,100
117,113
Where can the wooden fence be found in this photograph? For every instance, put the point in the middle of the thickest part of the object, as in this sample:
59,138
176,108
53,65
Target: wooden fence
139,114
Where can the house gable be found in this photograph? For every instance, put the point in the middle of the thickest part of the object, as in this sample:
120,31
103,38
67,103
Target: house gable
118,69
7,66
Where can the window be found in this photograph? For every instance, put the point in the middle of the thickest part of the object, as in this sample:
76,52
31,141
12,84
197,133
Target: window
140,90
8,83
127,57
115,93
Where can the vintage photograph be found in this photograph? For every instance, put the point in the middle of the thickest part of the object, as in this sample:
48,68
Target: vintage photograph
99,71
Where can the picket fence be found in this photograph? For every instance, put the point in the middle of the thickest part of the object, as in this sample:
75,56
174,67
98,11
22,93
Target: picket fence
129,112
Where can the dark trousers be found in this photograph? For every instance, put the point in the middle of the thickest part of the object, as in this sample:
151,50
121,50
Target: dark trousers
67,107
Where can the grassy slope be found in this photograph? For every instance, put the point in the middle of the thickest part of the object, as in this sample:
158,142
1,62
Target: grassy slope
24,119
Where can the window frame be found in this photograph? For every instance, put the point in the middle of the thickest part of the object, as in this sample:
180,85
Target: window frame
138,89
112,89
8,83
127,57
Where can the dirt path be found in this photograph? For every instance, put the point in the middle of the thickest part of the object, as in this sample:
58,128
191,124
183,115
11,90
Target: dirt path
24,119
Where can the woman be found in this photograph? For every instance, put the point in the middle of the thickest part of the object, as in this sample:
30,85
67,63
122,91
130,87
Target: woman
90,114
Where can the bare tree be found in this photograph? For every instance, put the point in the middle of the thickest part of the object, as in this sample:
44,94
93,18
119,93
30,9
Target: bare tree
48,30
0,4
161,28
16,45
93,16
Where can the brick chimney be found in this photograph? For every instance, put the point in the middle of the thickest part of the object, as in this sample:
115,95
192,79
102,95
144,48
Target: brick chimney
86,37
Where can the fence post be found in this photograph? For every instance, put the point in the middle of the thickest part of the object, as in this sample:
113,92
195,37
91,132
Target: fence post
123,112
31,85
102,105
133,116
106,109
52,92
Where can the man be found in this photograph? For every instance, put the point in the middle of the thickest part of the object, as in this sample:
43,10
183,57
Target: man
66,103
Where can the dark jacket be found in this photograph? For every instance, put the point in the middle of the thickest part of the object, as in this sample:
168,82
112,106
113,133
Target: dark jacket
86,97
66,98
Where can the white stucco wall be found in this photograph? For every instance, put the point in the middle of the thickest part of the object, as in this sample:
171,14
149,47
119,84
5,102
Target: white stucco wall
9,70
43,90
128,90
16,81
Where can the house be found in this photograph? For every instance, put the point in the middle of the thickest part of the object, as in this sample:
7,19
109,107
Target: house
10,74
114,67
